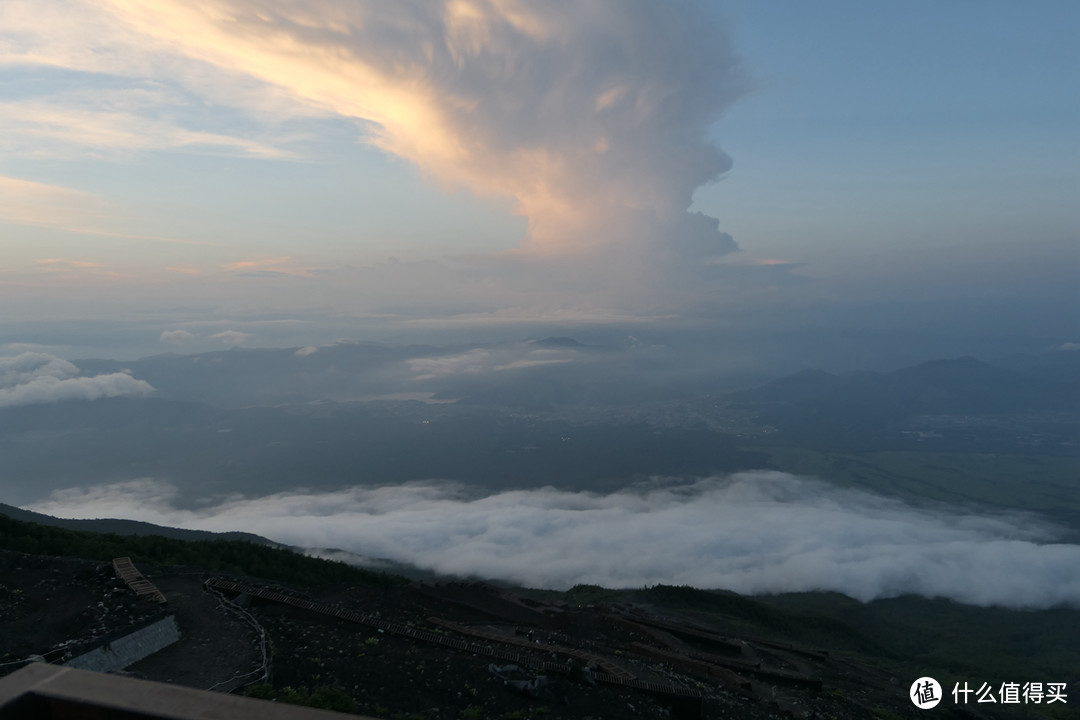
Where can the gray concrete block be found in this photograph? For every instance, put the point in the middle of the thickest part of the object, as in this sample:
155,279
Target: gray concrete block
129,649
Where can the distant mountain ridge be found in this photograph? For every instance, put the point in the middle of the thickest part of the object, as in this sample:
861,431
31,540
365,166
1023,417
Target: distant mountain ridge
961,404
956,386
118,526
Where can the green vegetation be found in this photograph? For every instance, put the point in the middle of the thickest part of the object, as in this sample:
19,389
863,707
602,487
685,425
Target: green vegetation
323,697
909,636
231,556
958,641
788,623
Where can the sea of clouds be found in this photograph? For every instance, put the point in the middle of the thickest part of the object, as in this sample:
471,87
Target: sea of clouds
754,532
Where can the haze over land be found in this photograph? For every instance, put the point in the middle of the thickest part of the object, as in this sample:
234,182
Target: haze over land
477,285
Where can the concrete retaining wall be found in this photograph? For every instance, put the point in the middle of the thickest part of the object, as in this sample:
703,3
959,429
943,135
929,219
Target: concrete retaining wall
127,650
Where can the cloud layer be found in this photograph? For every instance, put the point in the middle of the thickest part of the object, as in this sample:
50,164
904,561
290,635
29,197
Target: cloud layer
482,361
32,203
758,532
593,118
31,378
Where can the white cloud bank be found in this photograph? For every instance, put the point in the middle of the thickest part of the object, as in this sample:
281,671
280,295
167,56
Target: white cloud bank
31,378
482,361
176,337
756,532
232,337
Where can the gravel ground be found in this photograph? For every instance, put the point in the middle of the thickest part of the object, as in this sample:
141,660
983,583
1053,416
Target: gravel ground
49,605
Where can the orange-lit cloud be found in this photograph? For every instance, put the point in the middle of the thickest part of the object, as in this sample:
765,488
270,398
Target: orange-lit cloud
65,264
184,270
593,116
143,107
59,128
84,268
760,262
32,203
276,266
24,202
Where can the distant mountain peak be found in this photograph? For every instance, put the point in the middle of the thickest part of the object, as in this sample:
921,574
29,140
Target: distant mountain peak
954,386
954,367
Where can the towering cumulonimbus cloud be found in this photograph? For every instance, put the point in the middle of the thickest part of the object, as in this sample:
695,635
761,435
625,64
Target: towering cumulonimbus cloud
593,116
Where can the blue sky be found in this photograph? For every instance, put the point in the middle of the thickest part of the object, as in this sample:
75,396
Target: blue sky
477,163
912,131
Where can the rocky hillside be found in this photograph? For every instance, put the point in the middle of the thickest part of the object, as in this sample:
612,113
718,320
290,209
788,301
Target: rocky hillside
332,636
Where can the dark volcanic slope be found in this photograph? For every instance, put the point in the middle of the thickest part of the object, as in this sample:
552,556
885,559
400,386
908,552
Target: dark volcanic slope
352,639
127,527
438,651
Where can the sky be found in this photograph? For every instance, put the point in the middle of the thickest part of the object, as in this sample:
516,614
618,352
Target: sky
179,176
